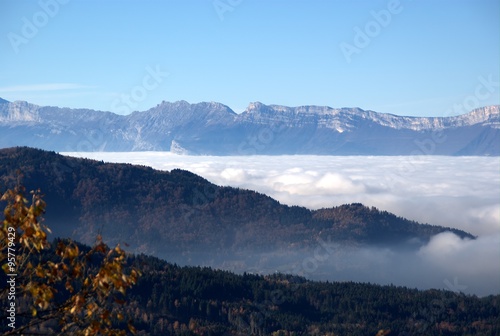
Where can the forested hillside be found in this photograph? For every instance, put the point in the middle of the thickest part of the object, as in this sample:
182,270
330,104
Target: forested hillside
166,213
208,302
173,300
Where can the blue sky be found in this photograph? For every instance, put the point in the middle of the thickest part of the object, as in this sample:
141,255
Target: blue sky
422,58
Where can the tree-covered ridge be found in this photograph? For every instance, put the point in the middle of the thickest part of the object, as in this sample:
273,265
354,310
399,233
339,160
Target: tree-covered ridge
210,302
172,300
370,224
163,212
201,301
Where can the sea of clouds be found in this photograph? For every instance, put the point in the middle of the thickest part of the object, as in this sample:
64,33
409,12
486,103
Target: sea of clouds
458,192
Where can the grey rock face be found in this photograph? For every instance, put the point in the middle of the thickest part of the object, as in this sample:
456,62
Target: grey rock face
213,128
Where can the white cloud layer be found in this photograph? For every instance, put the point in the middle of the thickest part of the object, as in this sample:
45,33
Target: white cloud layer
458,192
446,262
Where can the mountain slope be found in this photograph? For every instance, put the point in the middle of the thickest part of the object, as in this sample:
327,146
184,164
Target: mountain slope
213,128
168,213
173,300
221,303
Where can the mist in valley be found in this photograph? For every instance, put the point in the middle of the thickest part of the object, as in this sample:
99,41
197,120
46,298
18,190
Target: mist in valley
456,192
446,262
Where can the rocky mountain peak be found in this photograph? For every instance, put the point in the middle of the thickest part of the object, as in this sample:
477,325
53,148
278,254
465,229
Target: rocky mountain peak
19,111
255,106
197,108
212,127
485,113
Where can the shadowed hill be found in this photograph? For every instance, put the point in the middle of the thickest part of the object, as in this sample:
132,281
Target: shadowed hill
174,212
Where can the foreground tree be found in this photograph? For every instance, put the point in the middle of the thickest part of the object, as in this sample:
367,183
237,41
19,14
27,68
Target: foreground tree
71,291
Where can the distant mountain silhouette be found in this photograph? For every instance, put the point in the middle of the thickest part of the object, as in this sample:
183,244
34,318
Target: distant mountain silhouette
213,128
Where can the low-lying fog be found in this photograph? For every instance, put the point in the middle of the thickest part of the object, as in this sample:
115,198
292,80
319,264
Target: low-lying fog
459,192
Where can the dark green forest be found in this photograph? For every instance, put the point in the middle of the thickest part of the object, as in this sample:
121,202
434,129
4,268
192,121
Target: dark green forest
173,300
203,301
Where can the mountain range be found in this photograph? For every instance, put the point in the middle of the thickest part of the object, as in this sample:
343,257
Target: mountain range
211,128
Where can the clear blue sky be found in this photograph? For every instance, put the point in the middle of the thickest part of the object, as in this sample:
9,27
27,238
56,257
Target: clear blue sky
423,60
